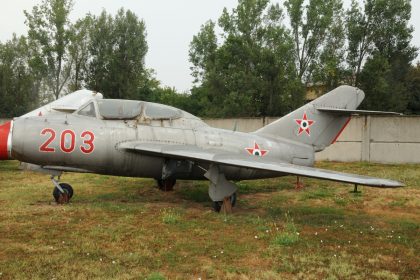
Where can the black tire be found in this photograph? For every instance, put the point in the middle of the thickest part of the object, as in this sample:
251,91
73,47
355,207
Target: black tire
159,183
217,205
233,199
66,188
166,185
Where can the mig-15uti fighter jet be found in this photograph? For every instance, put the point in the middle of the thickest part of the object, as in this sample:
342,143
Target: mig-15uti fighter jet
143,139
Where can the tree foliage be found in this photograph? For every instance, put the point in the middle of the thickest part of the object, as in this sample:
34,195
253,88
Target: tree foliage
49,32
17,93
383,40
311,24
413,86
251,72
117,50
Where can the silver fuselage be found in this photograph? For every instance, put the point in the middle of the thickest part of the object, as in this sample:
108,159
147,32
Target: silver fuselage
105,157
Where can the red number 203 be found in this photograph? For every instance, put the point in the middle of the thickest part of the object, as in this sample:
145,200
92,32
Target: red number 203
87,147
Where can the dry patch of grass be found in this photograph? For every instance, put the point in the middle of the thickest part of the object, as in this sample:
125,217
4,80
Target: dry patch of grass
125,228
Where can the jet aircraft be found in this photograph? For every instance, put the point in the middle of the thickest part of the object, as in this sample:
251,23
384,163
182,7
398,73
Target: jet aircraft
85,133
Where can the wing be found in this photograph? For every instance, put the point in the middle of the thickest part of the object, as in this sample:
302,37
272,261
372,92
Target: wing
231,159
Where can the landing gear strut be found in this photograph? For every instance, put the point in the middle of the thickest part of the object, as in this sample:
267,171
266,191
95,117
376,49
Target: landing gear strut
299,185
355,189
62,192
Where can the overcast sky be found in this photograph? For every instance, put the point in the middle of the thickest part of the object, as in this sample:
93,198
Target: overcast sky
170,27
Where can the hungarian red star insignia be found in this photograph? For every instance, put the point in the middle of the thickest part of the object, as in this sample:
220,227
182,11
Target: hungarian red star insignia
304,124
256,151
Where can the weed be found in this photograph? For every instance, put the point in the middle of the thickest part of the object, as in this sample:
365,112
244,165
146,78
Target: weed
289,235
385,275
170,216
399,202
155,276
197,192
317,193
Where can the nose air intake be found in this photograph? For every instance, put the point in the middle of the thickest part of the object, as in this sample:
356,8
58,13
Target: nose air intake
5,141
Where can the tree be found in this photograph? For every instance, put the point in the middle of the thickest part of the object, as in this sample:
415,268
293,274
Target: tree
79,52
16,79
360,32
117,50
413,86
252,72
393,32
382,26
49,33
310,26
330,69
203,51
389,55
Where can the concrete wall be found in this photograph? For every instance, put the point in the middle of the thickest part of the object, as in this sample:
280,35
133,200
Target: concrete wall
242,124
382,139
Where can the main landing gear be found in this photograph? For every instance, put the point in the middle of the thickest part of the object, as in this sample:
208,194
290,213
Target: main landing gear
221,191
166,185
226,205
62,192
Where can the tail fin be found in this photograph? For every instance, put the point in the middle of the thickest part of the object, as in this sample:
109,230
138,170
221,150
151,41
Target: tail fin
314,127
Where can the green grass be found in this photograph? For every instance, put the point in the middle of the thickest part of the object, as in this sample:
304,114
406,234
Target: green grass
125,228
289,235
170,216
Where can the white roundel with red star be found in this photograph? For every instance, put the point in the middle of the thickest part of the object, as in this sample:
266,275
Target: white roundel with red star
304,124
256,151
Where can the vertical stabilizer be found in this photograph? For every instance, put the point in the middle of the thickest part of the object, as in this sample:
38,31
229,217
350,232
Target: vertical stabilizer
310,126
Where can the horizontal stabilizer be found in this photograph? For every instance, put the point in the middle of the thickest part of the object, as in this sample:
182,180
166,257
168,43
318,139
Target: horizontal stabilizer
232,159
354,112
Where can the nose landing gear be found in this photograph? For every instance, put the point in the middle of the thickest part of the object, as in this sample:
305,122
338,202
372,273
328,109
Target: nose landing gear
62,192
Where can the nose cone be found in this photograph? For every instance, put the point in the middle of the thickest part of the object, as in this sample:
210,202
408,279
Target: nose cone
5,141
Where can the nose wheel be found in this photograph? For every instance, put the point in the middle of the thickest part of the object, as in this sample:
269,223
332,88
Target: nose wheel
65,196
62,192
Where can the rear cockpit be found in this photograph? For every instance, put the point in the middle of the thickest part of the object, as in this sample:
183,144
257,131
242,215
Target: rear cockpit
141,111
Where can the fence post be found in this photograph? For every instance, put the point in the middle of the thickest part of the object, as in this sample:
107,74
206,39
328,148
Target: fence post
366,138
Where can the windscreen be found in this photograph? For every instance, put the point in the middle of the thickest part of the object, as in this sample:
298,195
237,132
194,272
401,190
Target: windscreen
88,111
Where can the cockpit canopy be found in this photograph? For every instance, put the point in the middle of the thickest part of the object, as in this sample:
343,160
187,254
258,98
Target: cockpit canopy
111,109
116,109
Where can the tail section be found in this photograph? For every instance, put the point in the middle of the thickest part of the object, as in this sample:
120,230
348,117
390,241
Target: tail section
318,128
